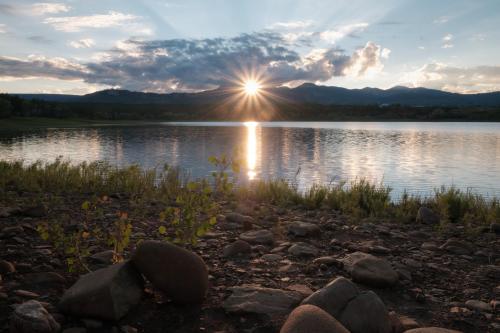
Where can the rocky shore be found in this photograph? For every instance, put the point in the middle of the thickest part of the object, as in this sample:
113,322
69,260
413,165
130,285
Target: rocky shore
260,269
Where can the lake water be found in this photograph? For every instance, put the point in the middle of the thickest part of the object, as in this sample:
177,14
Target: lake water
404,155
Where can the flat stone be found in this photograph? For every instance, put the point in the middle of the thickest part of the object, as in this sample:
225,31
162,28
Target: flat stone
370,270
258,237
477,305
256,299
310,318
239,218
303,250
303,229
6,267
108,293
32,317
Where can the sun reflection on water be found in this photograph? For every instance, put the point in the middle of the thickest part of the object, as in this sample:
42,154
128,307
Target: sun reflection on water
251,148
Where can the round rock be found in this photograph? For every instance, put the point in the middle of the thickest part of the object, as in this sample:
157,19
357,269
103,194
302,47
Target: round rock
32,317
181,274
310,318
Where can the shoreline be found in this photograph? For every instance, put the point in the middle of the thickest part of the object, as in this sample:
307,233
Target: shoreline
447,270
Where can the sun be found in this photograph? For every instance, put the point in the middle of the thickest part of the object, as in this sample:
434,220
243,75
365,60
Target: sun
251,87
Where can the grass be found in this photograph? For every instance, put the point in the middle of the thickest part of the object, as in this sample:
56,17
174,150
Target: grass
359,199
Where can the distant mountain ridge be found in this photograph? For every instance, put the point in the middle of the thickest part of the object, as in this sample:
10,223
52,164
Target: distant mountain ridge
305,93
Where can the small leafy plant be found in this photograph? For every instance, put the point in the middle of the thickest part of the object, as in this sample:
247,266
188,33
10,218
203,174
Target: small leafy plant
192,216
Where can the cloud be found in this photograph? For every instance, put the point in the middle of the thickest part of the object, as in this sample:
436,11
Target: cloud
39,66
39,39
3,28
447,41
367,59
442,20
455,79
82,43
333,36
78,23
201,64
291,25
44,8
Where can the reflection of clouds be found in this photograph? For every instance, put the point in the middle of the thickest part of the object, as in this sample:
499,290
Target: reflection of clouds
403,155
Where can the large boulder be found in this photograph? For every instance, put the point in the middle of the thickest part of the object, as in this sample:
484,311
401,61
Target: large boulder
370,270
311,319
180,273
32,317
359,312
262,236
107,293
256,299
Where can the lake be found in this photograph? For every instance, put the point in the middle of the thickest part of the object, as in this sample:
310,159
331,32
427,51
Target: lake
403,155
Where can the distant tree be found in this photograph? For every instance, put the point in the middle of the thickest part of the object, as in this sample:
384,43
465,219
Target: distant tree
5,108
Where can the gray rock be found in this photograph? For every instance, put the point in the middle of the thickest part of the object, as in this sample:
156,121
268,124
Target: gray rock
366,313
239,218
303,250
180,273
256,299
427,216
32,317
238,248
370,270
103,258
477,305
310,318
108,293
359,312
258,237
303,229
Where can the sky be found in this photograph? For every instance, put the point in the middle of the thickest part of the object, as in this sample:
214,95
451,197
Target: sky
78,47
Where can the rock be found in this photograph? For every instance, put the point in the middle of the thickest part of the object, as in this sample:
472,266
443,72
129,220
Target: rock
103,258
301,288
495,228
373,247
310,318
108,293
366,313
6,267
12,231
407,323
238,248
427,216
271,257
181,274
303,229
431,330
256,299
34,211
370,270
478,305
359,312
303,250
25,293
32,317
44,279
239,218
456,246
327,260
258,237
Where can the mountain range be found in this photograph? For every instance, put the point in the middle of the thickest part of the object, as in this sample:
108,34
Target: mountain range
305,93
